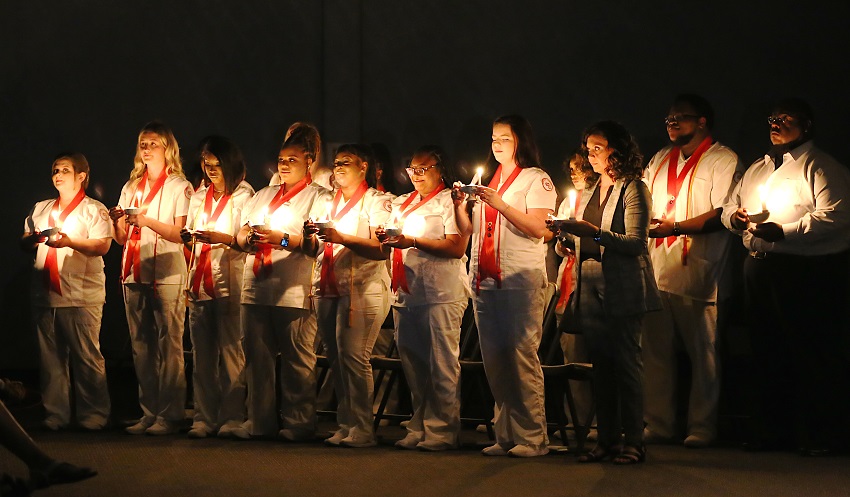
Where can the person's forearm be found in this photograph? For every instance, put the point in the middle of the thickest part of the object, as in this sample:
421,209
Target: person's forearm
449,248
369,248
167,231
90,247
530,225
707,222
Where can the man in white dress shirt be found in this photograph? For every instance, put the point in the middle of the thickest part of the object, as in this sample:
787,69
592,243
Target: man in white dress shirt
796,286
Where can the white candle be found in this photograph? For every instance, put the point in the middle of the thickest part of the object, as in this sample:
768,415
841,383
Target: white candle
203,222
138,199
571,194
763,196
479,173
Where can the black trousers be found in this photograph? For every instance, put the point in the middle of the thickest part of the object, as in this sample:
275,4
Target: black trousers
797,310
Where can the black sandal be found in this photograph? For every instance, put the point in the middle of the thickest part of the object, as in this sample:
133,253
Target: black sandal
598,454
631,455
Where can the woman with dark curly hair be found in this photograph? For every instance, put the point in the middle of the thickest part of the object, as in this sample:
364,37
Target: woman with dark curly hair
616,286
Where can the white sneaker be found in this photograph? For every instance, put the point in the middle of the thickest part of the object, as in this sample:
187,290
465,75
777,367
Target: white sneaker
358,441
295,435
435,446
240,432
698,441
226,430
494,450
52,424
91,425
335,439
525,450
140,427
200,430
409,442
162,427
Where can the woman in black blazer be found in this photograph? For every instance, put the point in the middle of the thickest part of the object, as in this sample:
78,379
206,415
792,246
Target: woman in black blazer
616,286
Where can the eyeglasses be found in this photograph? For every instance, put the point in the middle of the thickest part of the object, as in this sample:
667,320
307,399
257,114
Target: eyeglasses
339,163
418,171
783,119
669,120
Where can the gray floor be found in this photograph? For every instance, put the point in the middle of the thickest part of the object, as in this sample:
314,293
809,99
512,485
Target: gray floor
175,465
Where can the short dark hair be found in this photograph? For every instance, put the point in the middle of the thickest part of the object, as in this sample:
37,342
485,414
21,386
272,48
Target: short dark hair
625,161
364,153
447,170
800,109
230,157
527,154
702,106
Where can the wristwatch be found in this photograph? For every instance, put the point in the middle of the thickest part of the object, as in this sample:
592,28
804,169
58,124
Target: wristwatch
676,230
284,242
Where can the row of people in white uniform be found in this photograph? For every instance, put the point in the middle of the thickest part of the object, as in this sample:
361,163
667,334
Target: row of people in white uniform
299,275
316,262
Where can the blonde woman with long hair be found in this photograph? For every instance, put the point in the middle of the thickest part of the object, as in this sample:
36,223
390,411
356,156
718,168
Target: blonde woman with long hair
151,212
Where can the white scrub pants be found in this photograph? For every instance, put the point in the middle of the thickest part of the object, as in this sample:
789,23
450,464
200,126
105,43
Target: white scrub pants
155,316
290,332
694,325
428,338
349,325
74,331
218,361
510,326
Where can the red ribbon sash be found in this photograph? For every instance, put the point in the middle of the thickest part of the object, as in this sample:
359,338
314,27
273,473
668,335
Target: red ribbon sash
263,256
399,278
51,264
327,277
674,185
566,283
489,264
203,271
132,257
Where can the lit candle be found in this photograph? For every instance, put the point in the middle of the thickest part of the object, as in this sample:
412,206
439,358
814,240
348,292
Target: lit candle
763,196
138,199
203,222
571,194
476,180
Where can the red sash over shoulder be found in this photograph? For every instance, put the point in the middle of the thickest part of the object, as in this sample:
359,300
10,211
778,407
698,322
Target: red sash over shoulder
327,277
51,264
489,264
399,278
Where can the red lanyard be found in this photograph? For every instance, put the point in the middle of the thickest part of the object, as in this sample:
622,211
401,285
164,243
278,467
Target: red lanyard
263,256
327,277
51,264
399,278
132,249
203,271
489,262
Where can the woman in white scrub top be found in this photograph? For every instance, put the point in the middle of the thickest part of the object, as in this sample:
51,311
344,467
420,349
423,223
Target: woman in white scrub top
153,271
430,296
214,289
507,273
277,317
351,284
68,292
